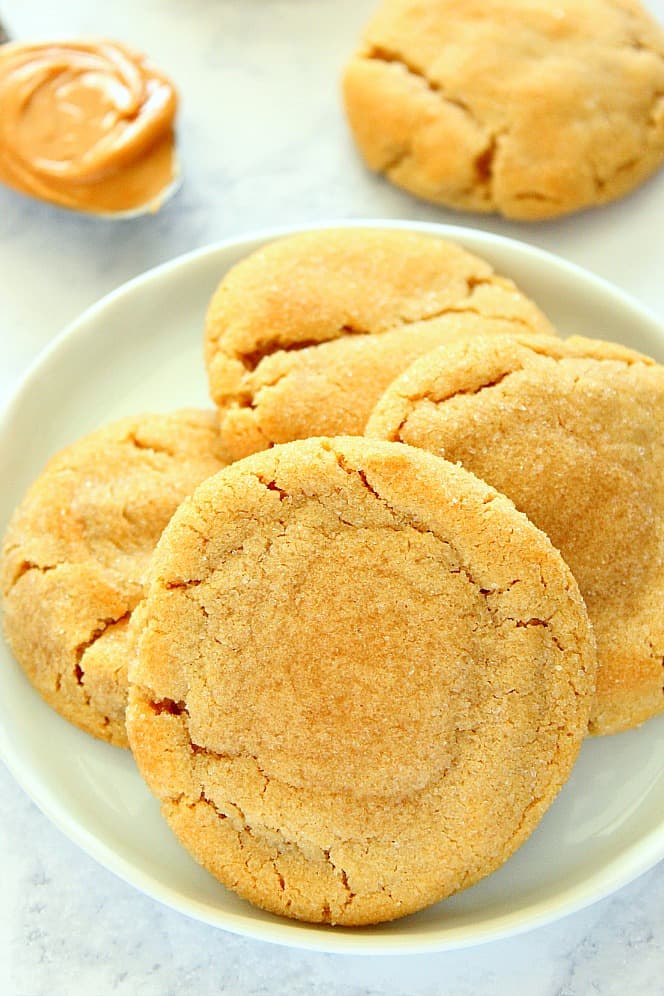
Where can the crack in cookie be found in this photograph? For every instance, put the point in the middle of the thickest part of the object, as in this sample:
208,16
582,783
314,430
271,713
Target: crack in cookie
528,110
572,432
378,686
304,335
76,551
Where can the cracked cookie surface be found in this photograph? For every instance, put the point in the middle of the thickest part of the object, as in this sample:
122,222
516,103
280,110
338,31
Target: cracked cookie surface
303,336
573,432
528,109
76,551
361,678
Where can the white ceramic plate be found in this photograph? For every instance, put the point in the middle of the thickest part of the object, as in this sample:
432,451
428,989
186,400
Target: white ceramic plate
140,349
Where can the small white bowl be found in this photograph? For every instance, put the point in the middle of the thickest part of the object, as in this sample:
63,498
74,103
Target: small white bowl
140,349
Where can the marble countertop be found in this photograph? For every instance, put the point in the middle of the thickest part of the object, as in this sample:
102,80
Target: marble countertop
263,143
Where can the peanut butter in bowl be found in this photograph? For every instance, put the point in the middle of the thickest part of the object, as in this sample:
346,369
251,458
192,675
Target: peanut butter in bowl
87,125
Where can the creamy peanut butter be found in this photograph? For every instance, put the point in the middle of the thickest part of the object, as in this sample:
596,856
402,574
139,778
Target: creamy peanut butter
86,124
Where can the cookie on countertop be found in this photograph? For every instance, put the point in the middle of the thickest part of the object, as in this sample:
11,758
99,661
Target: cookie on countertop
361,678
573,432
528,109
304,335
76,551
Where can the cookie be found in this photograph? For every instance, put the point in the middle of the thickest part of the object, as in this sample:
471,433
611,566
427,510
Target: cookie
361,678
527,109
76,551
573,432
303,336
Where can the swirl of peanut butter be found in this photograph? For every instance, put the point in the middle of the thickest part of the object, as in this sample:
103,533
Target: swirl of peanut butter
87,125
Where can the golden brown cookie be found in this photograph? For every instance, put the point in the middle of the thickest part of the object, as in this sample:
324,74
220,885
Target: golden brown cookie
573,432
76,551
362,677
304,335
528,109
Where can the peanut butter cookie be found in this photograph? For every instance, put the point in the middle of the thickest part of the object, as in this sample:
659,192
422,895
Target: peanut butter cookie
573,432
304,335
528,109
361,678
76,551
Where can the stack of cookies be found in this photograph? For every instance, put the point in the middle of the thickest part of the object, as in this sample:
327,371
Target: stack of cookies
363,613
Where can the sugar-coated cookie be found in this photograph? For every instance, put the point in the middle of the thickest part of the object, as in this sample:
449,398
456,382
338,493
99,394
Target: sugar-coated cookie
573,432
530,109
361,678
304,335
76,551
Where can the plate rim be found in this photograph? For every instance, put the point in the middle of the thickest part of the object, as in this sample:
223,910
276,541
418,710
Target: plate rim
76,326
634,861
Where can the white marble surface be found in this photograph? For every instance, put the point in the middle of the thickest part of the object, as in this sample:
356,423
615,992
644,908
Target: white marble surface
263,143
